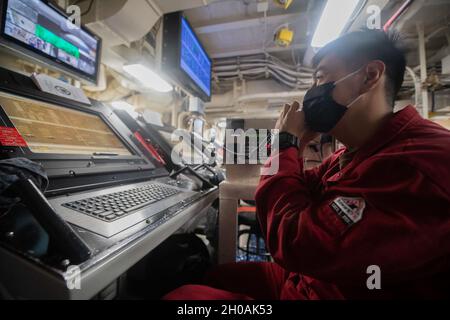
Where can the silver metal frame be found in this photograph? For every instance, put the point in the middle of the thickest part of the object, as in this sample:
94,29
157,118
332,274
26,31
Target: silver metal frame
28,279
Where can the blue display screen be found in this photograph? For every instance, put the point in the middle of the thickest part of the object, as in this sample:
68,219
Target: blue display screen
194,60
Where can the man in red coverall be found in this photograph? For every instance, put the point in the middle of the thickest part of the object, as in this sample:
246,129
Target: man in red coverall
382,203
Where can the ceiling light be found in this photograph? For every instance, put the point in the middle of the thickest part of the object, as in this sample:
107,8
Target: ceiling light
334,17
147,77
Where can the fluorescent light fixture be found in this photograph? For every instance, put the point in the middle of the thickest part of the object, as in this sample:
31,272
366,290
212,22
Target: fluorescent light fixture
122,105
334,17
148,77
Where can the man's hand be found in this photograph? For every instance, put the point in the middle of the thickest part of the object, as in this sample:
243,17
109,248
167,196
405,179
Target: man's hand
292,120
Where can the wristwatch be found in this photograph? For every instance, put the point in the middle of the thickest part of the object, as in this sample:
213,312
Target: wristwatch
284,140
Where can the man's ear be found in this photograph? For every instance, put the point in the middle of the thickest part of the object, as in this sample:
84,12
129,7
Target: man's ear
374,72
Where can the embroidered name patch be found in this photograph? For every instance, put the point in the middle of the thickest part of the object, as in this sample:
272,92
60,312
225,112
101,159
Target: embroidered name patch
350,210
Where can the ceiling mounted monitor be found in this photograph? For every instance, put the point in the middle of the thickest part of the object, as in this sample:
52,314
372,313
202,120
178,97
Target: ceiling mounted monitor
184,57
36,29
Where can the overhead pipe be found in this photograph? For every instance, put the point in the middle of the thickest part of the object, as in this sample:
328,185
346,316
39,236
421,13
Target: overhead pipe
237,69
260,68
227,102
271,95
423,68
288,81
265,61
434,33
397,14
261,64
416,81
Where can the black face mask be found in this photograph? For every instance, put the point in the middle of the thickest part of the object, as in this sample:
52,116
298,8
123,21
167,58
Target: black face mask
322,112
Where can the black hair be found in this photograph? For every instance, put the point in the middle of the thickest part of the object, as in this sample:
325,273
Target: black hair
359,47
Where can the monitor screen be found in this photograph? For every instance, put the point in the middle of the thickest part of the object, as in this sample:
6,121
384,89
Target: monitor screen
48,128
38,27
194,60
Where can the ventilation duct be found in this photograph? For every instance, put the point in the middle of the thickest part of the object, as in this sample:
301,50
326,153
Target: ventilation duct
120,21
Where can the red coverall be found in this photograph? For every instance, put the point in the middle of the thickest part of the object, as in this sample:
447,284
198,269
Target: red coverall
389,207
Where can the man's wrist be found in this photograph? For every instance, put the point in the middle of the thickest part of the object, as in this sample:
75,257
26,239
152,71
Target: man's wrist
284,140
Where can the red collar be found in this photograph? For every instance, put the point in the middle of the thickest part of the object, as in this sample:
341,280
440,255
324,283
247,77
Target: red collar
388,131
397,123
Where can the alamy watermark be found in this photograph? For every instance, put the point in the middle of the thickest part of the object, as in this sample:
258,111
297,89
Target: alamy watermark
74,20
374,280
73,278
374,18
241,147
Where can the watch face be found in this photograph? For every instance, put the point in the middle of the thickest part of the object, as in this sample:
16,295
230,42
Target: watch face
285,137
287,140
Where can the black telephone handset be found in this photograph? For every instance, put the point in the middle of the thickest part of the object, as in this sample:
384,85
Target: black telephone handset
67,241
217,178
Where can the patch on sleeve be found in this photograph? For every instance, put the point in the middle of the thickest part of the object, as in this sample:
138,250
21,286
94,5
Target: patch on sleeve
350,210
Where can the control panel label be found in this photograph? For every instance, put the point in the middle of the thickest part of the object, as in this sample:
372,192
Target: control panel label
10,137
